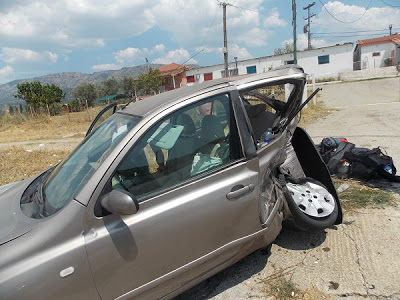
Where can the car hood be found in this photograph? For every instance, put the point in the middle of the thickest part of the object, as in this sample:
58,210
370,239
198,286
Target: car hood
13,223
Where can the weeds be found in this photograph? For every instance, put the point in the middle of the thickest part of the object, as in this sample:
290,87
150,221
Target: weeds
25,127
283,288
312,112
17,163
361,196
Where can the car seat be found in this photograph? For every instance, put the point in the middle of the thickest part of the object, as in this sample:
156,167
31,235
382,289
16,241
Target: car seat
260,118
180,156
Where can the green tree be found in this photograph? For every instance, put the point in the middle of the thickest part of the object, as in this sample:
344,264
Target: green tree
37,95
30,92
288,47
110,86
50,98
151,81
74,105
127,86
86,92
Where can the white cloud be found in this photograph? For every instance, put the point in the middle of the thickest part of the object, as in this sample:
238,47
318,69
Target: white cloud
6,74
274,20
302,42
159,48
22,56
375,18
176,56
128,55
73,23
239,52
102,67
100,42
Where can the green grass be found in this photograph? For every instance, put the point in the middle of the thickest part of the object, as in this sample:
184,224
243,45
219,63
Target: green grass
361,196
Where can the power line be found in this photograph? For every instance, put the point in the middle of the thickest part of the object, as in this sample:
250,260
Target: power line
366,9
202,43
256,11
390,4
346,36
357,31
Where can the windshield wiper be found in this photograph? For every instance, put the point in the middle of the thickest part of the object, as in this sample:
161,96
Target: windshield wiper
38,199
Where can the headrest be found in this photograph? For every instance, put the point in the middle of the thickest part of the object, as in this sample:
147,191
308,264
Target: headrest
211,129
188,125
254,110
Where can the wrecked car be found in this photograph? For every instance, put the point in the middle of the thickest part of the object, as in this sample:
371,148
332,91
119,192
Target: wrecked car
167,192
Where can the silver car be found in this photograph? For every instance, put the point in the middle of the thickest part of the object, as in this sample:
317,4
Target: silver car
167,192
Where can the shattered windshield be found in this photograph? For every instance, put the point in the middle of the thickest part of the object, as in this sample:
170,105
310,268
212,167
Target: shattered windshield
68,178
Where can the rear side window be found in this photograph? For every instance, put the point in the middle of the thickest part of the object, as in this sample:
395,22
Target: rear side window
267,105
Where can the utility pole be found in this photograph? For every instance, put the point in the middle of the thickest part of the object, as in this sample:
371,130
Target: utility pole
294,32
308,26
225,49
390,29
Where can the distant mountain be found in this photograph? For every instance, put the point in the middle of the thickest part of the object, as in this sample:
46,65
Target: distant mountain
67,81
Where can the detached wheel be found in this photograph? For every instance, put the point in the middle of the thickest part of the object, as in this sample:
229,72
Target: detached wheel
311,204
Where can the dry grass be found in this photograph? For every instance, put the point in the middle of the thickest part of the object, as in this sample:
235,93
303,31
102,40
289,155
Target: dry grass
312,112
17,164
282,288
23,127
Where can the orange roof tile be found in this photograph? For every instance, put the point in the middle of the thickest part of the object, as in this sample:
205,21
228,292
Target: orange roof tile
172,69
394,38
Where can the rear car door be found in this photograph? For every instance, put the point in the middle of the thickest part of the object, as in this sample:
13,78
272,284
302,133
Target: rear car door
197,194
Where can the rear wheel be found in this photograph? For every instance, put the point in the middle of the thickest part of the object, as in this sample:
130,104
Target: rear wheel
311,204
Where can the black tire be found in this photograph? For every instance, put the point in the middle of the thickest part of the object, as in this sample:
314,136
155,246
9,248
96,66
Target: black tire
301,219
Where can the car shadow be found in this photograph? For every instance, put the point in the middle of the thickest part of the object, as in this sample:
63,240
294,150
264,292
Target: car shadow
289,238
232,276
293,238
385,185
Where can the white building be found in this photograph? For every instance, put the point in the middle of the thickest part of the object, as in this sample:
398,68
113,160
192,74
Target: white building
323,62
377,52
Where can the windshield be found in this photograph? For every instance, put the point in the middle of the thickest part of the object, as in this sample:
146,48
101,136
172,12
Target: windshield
72,174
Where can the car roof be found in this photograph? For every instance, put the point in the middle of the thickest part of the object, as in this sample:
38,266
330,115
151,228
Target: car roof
148,105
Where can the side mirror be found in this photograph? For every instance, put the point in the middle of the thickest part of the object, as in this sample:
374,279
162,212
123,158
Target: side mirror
120,202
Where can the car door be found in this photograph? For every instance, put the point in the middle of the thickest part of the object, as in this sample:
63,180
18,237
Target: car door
189,216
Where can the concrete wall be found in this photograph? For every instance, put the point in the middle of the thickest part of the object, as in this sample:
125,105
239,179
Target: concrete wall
368,61
369,73
340,60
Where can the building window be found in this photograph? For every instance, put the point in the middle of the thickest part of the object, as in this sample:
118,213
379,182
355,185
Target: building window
289,62
233,72
251,70
376,54
208,76
324,59
190,78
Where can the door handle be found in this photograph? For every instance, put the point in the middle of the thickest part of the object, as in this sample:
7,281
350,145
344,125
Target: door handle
240,191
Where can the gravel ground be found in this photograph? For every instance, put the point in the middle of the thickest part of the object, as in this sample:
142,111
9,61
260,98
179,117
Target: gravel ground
357,259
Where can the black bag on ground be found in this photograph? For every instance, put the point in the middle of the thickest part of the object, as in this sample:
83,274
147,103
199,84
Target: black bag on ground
328,147
371,163
336,157
345,160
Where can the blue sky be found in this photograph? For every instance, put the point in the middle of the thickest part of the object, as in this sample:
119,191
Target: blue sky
39,37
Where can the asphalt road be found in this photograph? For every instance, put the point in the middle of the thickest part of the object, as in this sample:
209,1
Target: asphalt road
357,259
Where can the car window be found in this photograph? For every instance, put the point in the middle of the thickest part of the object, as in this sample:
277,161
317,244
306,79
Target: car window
187,143
267,105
